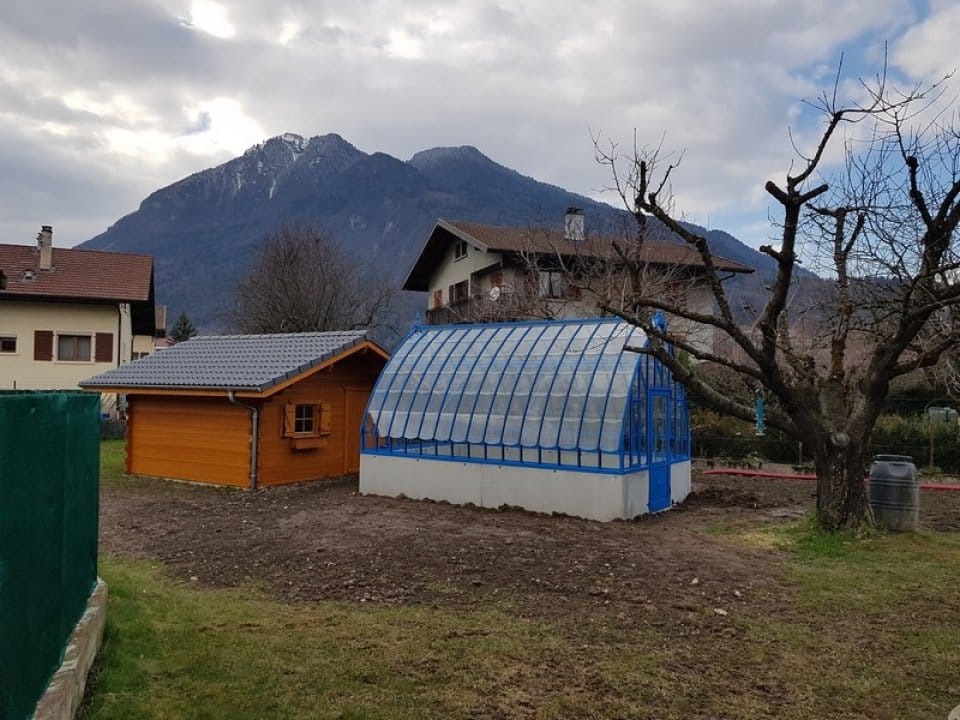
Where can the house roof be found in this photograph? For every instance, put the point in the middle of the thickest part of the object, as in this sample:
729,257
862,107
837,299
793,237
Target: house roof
77,275
251,363
545,241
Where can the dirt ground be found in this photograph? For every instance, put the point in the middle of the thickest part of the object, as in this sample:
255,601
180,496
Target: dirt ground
324,540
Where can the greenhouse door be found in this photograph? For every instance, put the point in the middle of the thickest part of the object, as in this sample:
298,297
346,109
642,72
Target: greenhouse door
658,442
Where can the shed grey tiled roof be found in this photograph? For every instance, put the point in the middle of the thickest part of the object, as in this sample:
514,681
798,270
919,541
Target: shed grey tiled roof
237,362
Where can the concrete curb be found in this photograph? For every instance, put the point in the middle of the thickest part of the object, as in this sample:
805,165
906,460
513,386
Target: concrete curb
64,692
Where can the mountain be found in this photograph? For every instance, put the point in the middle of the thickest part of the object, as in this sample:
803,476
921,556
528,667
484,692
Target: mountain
204,229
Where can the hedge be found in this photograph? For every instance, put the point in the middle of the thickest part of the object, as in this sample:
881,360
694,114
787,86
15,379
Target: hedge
720,436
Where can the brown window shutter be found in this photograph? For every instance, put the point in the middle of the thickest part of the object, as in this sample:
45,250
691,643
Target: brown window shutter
43,345
325,412
103,348
289,419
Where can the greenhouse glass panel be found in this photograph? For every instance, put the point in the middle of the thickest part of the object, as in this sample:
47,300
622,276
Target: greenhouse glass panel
565,394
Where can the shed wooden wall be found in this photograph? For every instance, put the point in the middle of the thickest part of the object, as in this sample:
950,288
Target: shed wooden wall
279,463
189,438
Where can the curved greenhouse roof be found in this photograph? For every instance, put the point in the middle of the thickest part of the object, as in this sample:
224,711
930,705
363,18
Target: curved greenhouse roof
550,385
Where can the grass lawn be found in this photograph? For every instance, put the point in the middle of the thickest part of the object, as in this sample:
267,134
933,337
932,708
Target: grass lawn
177,652
112,460
874,626
864,628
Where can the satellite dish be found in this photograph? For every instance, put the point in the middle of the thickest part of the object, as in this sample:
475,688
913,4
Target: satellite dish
494,293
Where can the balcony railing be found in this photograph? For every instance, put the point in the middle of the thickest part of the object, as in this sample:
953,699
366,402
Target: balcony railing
482,309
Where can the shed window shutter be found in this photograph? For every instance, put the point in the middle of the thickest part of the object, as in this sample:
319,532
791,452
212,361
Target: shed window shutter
43,345
325,412
289,419
103,347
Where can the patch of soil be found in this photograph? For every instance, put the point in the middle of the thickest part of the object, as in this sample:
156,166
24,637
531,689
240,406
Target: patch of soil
940,510
324,540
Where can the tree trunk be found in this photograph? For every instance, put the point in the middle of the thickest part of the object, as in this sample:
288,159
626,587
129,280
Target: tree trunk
841,487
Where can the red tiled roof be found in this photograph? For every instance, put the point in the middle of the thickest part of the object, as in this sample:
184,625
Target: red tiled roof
547,241
77,274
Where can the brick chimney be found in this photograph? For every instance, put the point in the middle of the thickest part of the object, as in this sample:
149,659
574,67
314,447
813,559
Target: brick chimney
573,225
45,245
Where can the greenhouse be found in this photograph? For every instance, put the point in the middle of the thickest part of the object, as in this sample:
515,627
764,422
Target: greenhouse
551,416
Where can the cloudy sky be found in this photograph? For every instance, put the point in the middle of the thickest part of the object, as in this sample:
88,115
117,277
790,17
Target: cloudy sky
104,101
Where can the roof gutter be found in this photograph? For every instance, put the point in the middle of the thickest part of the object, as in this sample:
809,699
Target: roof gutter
254,435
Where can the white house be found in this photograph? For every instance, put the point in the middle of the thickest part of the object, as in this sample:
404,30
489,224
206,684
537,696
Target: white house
67,314
473,272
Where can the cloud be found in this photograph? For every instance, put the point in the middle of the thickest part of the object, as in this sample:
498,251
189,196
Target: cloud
210,17
928,49
130,96
202,124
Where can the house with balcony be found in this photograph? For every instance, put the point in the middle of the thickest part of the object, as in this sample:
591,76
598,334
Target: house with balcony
473,272
67,314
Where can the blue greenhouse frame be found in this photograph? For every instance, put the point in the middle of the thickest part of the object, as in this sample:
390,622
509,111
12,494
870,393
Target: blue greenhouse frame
555,394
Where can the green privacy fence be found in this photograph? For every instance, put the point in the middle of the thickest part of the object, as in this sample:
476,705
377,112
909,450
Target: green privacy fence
49,478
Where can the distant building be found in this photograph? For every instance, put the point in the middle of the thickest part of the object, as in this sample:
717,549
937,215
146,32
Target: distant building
67,314
942,414
480,273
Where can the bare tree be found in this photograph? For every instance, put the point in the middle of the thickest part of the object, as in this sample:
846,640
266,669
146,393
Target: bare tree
549,276
881,233
301,281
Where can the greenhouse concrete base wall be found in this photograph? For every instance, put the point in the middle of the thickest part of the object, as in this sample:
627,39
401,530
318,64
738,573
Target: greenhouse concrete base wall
680,481
596,496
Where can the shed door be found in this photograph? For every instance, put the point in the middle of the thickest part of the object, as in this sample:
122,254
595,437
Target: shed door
356,404
658,444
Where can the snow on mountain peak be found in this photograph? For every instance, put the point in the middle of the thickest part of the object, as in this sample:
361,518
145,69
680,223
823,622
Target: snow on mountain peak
295,142
292,139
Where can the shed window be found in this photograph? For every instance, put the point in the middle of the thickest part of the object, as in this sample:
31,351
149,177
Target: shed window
306,419
73,348
8,343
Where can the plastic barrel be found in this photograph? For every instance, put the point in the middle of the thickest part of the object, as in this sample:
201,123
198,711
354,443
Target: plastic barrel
895,492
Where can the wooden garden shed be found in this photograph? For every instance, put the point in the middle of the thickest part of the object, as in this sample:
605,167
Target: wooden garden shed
248,410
